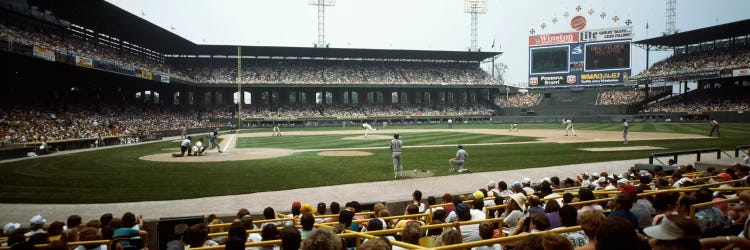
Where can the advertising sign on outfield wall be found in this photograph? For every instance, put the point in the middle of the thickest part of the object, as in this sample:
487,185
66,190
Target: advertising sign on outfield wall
741,72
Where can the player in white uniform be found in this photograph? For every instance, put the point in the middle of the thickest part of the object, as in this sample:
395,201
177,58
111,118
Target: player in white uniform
568,126
368,128
398,165
459,160
625,131
276,130
513,127
198,148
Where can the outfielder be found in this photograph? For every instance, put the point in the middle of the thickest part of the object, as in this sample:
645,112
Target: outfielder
459,160
212,140
368,128
568,126
398,165
625,131
513,127
276,130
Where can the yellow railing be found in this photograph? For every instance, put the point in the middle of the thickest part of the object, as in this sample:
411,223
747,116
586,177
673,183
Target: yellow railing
695,207
74,244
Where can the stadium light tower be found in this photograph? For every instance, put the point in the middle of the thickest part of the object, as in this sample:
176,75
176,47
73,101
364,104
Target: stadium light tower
321,19
671,25
475,7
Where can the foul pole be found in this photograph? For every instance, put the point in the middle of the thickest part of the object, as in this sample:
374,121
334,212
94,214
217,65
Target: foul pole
239,87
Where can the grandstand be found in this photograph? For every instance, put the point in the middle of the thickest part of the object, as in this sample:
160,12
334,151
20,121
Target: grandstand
110,78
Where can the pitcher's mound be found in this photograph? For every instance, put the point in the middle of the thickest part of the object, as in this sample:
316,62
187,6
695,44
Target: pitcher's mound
633,148
419,173
344,153
369,137
240,154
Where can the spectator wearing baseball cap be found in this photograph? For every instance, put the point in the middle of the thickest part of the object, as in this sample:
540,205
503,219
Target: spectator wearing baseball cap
10,228
674,232
36,225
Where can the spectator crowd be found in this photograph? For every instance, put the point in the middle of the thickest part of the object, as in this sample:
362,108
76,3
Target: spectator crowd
586,211
324,73
620,97
268,71
25,125
699,62
518,100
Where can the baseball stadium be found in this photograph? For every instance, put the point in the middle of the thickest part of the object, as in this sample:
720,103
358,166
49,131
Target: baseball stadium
120,133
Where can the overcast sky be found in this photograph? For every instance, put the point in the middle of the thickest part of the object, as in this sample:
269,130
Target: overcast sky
420,24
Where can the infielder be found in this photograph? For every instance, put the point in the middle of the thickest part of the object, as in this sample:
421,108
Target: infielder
276,130
368,128
398,165
459,160
184,146
714,127
625,131
513,127
212,140
568,126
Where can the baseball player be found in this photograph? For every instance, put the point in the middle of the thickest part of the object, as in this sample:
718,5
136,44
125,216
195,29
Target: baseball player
198,147
276,130
368,128
625,131
513,127
714,127
568,126
184,146
459,161
450,123
398,165
212,137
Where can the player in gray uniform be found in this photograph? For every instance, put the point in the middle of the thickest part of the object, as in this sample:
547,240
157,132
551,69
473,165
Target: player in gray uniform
459,160
625,131
398,165
714,127
212,140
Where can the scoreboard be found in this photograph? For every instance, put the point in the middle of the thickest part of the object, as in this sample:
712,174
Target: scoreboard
580,58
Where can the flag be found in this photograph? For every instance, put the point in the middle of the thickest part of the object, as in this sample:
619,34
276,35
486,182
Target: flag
646,24
493,42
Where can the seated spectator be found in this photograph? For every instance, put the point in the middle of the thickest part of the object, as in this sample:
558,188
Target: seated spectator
621,208
322,238
617,233
674,232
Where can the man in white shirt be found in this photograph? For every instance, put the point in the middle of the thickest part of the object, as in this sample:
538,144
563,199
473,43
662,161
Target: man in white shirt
625,131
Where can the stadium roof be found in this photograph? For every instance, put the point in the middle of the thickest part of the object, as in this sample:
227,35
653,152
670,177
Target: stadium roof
723,31
104,17
109,19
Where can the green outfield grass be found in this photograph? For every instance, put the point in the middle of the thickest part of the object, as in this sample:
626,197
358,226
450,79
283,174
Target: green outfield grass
117,175
338,141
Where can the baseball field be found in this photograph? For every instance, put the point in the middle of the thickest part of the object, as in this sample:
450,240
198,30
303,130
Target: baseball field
309,157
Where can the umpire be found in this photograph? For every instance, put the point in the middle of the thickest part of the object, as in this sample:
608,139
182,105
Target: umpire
184,146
